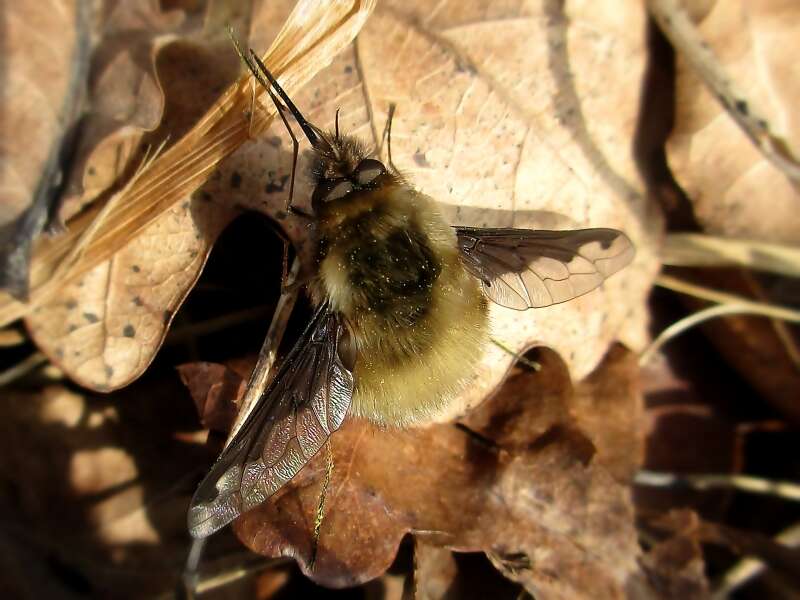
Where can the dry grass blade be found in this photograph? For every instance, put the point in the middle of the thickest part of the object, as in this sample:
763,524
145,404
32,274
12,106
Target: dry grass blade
727,304
314,33
676,24
785,490
770,310
748,568
701,316
701,250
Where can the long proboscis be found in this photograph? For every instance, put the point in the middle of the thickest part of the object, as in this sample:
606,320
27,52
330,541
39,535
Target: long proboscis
268,81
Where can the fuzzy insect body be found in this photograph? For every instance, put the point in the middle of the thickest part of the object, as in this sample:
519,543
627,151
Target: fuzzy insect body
418,320
401,316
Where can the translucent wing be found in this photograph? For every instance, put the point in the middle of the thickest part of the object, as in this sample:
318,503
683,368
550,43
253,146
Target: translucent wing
525,268
306,401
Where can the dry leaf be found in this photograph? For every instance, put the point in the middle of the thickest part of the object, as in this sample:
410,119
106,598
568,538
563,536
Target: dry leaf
729,181
213,387
527,486
140,262
676,566
44,54
105,328
441,574
126,97
608,405
688,424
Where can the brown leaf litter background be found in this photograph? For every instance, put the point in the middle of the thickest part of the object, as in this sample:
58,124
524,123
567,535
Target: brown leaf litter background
535,114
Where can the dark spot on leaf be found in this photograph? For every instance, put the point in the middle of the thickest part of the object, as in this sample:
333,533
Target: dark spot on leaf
72,328
236,180
419,158
742,107
109,371
185,205
276,186
91,317
128,331
348,69
138,301
193,254
462,66
59,353
91,171
135,268
274,141
71,304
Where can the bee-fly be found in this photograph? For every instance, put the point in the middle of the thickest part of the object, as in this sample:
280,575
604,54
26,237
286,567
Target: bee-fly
401,315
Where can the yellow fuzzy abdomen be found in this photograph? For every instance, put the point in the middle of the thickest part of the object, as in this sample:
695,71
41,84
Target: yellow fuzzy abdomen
418,320
397,387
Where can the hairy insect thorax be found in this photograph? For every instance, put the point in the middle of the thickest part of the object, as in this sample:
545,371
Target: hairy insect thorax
390,264
376,258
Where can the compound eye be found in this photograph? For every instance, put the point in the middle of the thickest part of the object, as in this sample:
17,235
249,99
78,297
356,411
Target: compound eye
368,170
332,190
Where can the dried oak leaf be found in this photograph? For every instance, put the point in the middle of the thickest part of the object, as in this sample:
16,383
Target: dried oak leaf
126,97
518,480
212,386
440,573
728,179
688,424
675,565
43,60
104,320
505,116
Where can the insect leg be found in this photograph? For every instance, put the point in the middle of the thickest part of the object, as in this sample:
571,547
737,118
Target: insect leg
321,505
387,135
295,147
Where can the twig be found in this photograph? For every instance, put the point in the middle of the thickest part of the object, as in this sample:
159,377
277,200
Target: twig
21,368
10,337
182,334
786,490
770,310
748,568
269,349
686,323
676,24
701,250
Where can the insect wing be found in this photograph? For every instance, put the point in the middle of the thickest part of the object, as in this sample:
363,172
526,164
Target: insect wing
306,401
525,268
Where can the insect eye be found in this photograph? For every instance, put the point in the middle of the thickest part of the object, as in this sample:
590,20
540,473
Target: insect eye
332,190
368,170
